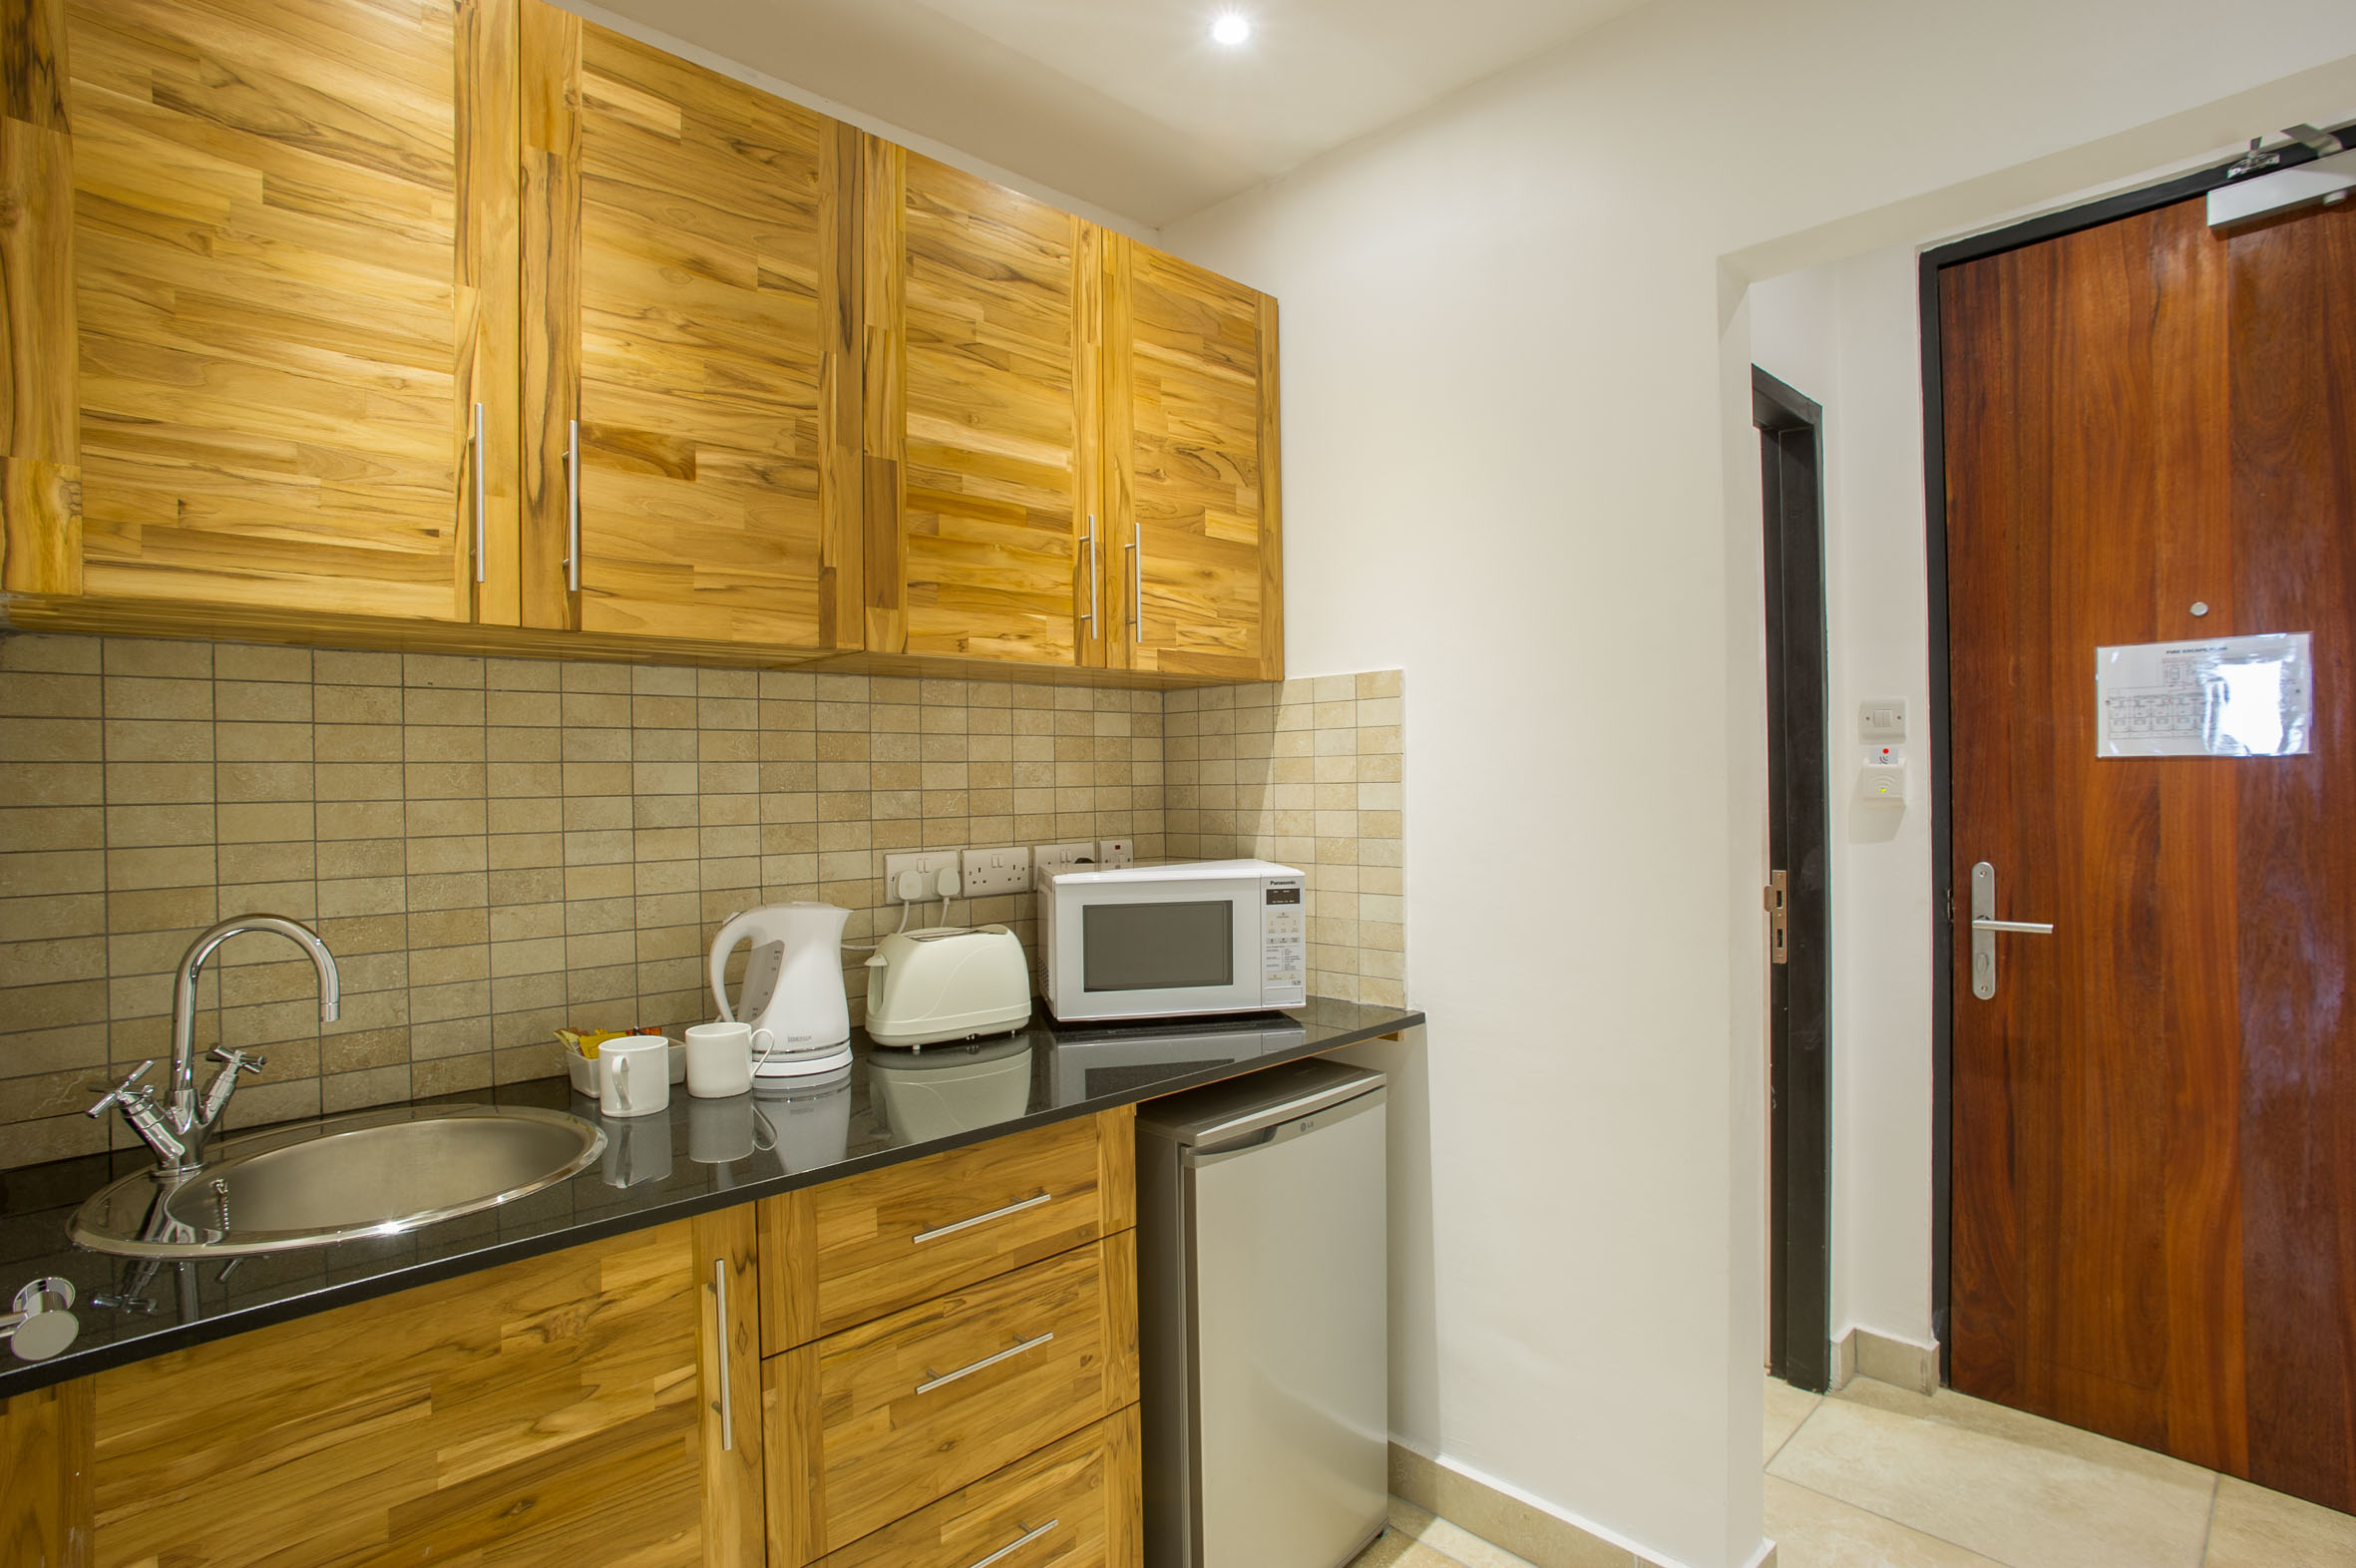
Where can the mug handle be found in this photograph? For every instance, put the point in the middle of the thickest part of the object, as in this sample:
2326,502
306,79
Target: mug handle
766,1051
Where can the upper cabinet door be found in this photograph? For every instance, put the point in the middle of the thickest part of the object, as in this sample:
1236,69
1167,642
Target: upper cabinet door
982,538
1190,439
277,250
689,393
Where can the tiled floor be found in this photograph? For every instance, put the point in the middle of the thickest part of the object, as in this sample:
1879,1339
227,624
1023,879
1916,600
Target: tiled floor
1877,1478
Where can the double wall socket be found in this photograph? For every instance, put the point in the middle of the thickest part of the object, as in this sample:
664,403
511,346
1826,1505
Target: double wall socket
926,863
1048,859
996,871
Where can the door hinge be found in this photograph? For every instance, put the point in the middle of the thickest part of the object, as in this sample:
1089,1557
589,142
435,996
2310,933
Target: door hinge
1778,904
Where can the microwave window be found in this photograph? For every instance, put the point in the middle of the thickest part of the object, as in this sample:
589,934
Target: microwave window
1157,946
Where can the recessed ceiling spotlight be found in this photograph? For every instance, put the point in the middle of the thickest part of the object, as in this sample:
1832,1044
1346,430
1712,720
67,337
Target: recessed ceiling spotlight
1231,28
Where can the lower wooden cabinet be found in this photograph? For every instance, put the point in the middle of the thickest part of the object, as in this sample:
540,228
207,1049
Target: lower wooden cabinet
1073,1504
870,1424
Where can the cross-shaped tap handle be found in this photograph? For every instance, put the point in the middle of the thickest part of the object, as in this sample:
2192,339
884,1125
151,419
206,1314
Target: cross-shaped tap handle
236,1061
126,1091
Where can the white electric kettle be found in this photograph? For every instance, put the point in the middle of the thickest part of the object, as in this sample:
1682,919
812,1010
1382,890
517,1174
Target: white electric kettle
792,995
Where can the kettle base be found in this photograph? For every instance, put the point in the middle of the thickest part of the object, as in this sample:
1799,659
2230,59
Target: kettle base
805,1064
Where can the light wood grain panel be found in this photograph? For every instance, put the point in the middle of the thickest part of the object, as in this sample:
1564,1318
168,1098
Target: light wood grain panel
994,421
549,244
1272,509
789,1270
734,1509
1098,636
490,287
842,390
884,438
858,1257
1083,1491
793,1455
1192,355
887,1449
1116,1166
45,1467
277,326
702,384
547,1411
40,474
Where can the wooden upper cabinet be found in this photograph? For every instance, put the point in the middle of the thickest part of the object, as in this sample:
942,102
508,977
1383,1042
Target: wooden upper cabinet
686,255
1190,445
279,266
982,305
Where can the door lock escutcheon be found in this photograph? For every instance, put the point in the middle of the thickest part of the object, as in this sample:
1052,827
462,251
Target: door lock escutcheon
1986,926
1778,908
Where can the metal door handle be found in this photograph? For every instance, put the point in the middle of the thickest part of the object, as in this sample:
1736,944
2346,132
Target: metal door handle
475,445
1136,590
1017,1544
725,1404
1090,541
1032,1201
1985,926
931,1382
573,509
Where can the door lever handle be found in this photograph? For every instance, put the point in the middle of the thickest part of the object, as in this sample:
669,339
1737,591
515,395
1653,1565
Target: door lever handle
1985,926
2030,927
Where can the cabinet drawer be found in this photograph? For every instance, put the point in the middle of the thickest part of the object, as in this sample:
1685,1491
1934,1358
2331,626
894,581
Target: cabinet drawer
1073,1504
856,1249
870,1424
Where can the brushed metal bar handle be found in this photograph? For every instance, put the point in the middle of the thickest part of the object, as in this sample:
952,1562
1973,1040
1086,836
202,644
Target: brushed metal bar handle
573,509
1089,540
1017,1545
726,1405
2029,927
1136,593
475,444
932,1382
1032,1201
1985,926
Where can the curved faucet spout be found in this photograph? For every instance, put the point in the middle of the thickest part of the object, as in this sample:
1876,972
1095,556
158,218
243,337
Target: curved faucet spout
191,1118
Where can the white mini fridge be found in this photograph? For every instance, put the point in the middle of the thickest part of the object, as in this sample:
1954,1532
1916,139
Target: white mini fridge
1262,1280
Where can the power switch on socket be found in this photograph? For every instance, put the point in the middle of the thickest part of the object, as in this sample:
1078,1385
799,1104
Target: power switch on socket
992,871
928,865
1048,859
1116,852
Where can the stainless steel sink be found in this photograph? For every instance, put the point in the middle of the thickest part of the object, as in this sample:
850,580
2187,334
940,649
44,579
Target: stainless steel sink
376,1174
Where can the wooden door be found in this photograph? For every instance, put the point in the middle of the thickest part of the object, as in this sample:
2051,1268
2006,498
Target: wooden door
1190,439
983,539
290,304
2155,1116
691,382
560,1410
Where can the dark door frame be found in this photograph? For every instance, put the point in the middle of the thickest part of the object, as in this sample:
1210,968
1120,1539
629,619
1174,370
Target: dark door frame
2052,225
1800,834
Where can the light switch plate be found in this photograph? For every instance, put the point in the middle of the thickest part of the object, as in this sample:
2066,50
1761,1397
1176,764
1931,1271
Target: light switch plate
1116,852
1882,720
994,871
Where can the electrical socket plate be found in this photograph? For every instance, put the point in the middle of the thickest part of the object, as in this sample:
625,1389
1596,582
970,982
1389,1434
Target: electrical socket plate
926,863
1048,859
1111,853
994,871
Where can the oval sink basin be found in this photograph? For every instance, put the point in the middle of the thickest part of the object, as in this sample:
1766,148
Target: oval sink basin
376,1174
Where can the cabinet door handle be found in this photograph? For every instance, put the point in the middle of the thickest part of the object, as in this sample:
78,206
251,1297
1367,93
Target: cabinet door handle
1088,542
932,1382
725,1404
1013,1546
573,509
1136,591
475,448
1032,1201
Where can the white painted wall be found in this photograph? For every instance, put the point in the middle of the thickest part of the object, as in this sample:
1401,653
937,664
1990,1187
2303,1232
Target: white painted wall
1518,464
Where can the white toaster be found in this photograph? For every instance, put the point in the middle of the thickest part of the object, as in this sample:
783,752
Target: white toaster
951,983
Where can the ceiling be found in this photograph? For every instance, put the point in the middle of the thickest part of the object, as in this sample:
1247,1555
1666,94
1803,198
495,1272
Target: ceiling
1128,104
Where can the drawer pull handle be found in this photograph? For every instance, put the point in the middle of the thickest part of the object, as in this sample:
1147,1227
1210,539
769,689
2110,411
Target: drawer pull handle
725,1406
1014,1546
1032,1201
932,1382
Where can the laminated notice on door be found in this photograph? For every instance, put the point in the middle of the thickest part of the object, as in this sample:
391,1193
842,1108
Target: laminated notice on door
2226,697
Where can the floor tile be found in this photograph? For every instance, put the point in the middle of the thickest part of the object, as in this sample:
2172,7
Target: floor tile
2256,1528
1787,1407
1811,1530
2026,1492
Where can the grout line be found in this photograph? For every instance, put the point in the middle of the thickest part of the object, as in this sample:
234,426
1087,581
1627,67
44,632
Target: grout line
1913,1530
1796,1428
2209,1525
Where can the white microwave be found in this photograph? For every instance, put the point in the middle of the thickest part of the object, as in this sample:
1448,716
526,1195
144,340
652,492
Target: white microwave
1166,941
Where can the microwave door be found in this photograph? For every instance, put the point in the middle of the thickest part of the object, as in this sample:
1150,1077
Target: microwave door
1150,951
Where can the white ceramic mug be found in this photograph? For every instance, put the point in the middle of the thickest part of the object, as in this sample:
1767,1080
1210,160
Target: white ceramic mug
633,1075
720,1059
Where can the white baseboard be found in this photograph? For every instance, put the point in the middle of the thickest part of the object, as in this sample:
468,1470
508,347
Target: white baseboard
1861,1353
1507,1517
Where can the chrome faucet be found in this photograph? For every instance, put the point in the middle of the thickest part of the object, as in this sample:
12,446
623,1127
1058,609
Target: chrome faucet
176,1130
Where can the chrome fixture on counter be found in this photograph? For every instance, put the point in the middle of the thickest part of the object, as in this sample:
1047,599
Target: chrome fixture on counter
41,1322
176,1132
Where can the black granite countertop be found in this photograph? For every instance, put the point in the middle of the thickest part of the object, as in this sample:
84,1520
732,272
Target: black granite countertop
886,1106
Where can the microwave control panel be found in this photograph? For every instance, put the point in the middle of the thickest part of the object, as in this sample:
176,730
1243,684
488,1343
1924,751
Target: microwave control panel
1284,942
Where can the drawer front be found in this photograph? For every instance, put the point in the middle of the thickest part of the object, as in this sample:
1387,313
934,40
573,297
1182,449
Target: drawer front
854,1250
870,1424
1077,1503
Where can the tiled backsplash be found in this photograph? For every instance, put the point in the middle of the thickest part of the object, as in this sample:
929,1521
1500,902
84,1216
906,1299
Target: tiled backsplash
495,847
1307,774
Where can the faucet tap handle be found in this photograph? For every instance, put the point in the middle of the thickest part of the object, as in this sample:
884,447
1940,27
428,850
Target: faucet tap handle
225,1082
236,1061
126,1093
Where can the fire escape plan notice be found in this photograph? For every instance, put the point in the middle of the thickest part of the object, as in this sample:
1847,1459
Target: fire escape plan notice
2226,697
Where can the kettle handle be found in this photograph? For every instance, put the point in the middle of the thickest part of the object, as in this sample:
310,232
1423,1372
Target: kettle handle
733,933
